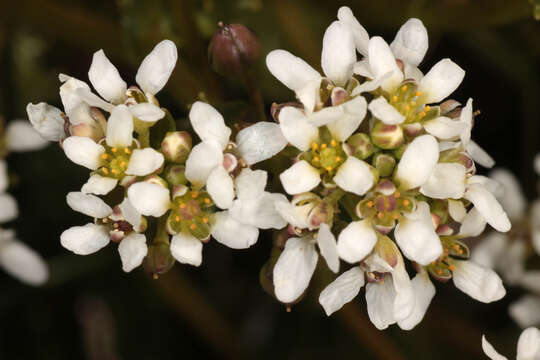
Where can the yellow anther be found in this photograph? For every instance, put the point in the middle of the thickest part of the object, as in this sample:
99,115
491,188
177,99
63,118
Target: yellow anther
204,220
316,159
127,151
338,158
323,146
394,98
105,170
114,171
192,226
370,204
115,225
328,168
418,93
195,194
123,164
315,146
380,215
182,206
422,114
104,156
397,194
426,109
395,216
451,267
333,143
114,149
460,252
413,103
406,202
439,272
404,88
407,108
207,201
177,218
105,220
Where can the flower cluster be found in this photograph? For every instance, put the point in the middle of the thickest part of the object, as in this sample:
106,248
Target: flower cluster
384,171
150,190
508,253
15,257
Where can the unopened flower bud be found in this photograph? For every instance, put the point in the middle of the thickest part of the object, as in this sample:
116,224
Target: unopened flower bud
276,108
387,136
360,146
233,49
384,163
321,213
176,146
158,260
176,175
338,96
154,179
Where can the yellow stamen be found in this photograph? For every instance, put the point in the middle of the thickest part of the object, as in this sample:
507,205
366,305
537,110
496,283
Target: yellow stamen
394,98
451,267
114,149
123,164
115,225
333,143
177,218
315,146
422,114
195,194
182,206
104,156
407,108
426,109
105,170
328,168
192,226
380,215
338,158
418,93
316,159
405,202
404,88
370,204
114,171
395,216
204,220
397,194
207,201
127,151
323,146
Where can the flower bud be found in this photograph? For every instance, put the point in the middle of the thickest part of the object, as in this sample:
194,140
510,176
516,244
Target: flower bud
387,136
384,163
360,146
321,213
233,49
276,108
176,146
338,96
176,175
154,179
159,259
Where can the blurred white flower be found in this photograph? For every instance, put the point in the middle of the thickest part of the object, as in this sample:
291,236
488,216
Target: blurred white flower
528,347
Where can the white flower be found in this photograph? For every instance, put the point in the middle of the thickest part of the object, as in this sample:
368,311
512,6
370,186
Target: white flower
526,311
47,120
417,162
296,264
116,159
528,347
20,261
20,136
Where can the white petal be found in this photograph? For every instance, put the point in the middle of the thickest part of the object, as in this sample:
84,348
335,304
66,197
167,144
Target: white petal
220,187
382,61
99,185
526,311
457,210
202,159
528,347
295,74
8,208
299,178
489,251
105,78
47,120
356,241
361,37
147,112
447,181
417,162
417,238
380,303
85,240
466,118
536,164
381,109
23,263
260,141
338,53
411,42
187,249
444,128
68,92
83,151
328,248
130,214
296,128
488,206
149,199
490,351
250,183
405,300
443,78
479,155
342,290
478,282
21,136
209,124
423,291
295,215
230,232
294,269
473,224
354,112
88,204
362,68
157,67
412,72
260,211
132,251
354,175
120,127
326,115
512,200
144,162
91,99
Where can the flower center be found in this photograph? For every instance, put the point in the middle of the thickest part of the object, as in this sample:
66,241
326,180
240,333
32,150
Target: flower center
191,213
115,161
383,210
409,102
327,156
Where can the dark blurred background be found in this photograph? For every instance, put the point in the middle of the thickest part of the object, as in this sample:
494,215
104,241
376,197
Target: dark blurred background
91,310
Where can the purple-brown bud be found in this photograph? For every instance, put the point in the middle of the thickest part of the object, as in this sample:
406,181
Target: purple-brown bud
233,49
159,259
387,136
